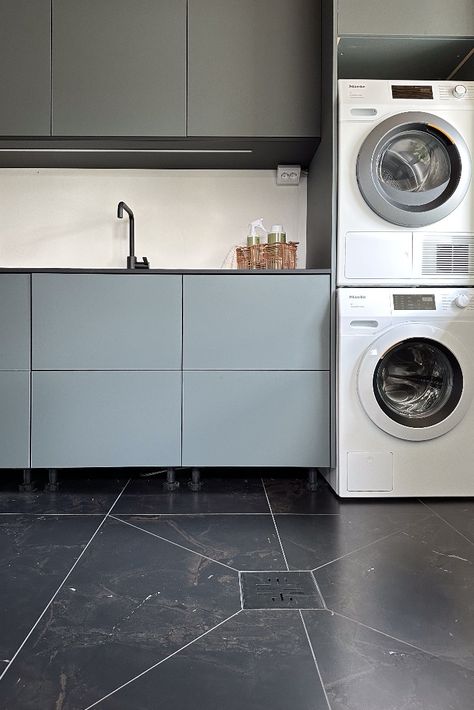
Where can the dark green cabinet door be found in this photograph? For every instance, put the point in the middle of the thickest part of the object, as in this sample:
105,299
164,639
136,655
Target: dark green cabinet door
254,68
119,67
25,59
405,17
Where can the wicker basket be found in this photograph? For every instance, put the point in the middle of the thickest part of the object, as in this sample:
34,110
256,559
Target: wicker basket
267,256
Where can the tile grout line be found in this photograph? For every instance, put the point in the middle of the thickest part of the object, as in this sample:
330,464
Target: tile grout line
446,522
314,658
155,665
176,544
194,515
325,606
64,581
58,515
274,523
369,544
241,591
389,636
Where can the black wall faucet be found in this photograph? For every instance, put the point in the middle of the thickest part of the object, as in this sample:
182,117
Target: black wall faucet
132,262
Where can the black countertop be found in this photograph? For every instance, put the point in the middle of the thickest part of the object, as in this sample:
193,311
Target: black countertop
226,272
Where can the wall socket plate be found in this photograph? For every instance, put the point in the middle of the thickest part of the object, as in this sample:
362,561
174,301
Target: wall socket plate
288,174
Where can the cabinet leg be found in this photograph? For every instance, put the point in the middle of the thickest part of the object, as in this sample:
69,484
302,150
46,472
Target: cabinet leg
53,483
171,484
26,485
312,483
195,484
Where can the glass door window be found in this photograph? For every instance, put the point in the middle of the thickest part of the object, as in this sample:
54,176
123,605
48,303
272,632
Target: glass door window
418,382
413,169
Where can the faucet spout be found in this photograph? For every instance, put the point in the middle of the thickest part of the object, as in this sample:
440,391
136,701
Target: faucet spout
132,261
122,206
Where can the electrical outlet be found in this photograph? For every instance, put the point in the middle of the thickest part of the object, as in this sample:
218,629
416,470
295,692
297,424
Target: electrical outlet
288,174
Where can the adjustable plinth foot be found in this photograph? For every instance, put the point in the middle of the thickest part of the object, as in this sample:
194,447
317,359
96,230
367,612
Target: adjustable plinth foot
312,483
171,484
195,484
27,485
53,484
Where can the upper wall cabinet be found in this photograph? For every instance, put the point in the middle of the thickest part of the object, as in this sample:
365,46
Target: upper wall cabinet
254,68
119,67
436,18
25,77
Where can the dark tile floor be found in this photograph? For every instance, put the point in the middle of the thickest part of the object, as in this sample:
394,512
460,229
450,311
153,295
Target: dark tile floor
116,594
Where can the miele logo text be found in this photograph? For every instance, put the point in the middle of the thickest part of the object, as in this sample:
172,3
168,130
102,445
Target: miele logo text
356,86
364,297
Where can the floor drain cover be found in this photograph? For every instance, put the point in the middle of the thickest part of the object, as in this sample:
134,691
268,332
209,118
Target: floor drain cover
279,590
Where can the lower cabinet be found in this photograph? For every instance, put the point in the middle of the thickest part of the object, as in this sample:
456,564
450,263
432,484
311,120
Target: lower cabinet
106,418
236,418
15,419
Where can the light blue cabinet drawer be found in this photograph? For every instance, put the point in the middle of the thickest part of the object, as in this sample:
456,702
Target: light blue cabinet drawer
256,419
14,419
106,322
251,322
93,419
14,322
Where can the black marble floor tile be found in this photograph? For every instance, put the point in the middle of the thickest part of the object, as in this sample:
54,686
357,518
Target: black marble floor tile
255,661
36,553
458,512
80,492
221,493
365,670
313,540
291,495
131,601
245,542
416,586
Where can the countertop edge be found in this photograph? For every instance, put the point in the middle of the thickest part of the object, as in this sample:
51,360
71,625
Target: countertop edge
164,272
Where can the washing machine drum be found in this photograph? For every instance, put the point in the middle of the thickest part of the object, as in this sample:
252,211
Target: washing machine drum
413,169
414,387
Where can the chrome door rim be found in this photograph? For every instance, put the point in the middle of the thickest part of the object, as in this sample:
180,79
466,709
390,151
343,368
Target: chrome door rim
380,200
371,359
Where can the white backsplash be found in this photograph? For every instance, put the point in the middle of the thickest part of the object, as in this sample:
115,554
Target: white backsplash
183,218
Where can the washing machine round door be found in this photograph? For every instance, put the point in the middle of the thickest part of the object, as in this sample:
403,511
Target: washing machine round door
413,169
412,382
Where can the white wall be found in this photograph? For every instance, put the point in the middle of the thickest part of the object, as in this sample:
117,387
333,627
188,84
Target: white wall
184,219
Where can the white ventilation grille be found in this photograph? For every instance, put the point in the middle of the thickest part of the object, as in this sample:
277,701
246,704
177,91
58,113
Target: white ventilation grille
446,92
450,257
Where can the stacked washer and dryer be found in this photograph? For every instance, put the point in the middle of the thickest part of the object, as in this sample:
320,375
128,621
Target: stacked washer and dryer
405,296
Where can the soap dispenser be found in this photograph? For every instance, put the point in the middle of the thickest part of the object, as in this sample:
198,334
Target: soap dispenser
276,235
253,235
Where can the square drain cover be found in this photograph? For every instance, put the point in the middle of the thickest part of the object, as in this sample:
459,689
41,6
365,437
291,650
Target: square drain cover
279,590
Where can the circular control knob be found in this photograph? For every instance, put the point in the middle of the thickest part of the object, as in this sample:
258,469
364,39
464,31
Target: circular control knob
459,91
462,300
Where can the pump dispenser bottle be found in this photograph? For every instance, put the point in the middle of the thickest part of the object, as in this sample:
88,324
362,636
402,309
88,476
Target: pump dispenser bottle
253,235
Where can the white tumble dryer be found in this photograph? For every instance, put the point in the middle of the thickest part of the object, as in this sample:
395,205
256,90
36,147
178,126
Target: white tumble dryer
405,383
405,196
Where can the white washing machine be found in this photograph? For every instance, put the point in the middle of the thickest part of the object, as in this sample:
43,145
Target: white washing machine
405,196
405,383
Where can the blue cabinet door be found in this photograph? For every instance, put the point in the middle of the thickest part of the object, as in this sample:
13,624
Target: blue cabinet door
93,419
256,419
14,419
106,321
252,322
14,321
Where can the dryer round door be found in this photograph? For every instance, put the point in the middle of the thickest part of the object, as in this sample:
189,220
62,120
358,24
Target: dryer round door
412,382
413,169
